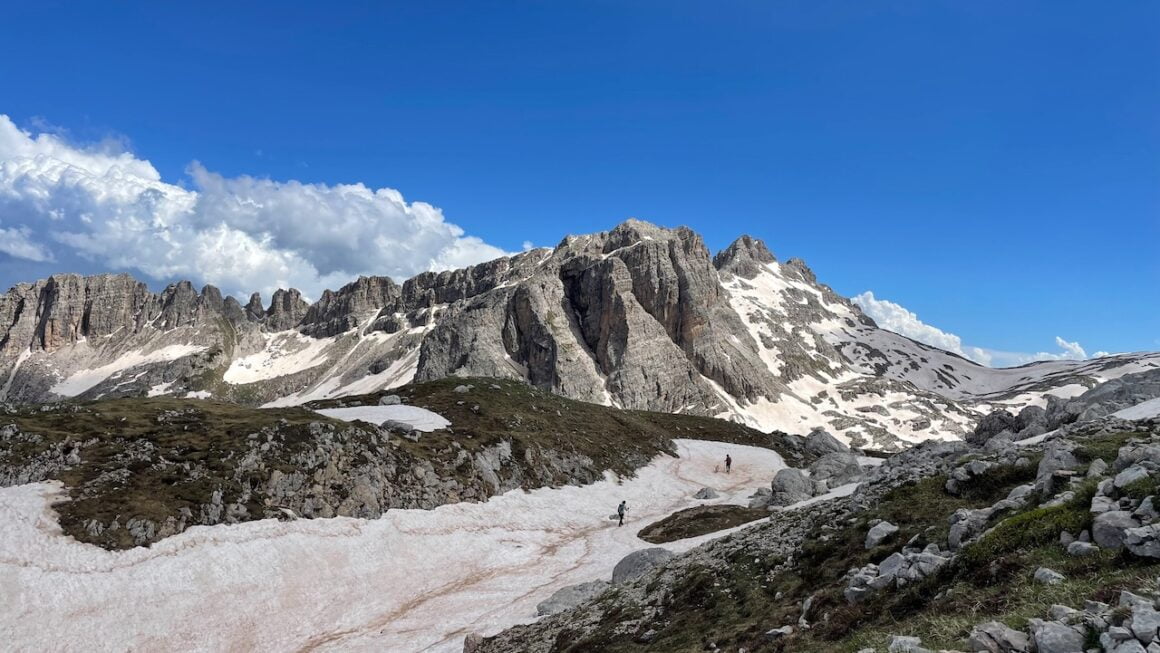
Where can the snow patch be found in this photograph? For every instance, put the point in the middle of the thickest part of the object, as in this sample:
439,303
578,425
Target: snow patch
419,418
285,353
414,580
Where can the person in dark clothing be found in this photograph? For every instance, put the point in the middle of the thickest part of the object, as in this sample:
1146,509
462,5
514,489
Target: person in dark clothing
728,463
620,510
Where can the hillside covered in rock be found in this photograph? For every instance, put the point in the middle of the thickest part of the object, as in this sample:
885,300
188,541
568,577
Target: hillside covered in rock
1050,543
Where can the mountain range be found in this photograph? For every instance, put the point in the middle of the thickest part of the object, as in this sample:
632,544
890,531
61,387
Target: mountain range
638,317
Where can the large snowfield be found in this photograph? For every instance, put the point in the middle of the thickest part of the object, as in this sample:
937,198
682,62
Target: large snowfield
414,580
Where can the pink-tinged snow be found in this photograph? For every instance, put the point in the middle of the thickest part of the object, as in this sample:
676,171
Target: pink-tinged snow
413,580
82,380
1142,410
285,353
419,418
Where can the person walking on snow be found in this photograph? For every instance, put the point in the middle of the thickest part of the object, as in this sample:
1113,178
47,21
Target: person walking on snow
620,510
728,463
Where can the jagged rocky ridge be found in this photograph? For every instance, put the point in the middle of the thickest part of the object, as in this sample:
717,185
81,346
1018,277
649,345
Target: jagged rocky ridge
637,317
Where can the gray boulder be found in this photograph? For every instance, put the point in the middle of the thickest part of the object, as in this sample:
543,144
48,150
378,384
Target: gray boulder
1054,637
1143,541
836,468
819,443
879,533
993,424
1109,528
761,498
1129,476
1057,457
569,597
637,563
390,400
789,486
995,637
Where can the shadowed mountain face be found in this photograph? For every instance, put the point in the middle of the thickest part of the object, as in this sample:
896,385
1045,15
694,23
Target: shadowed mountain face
637,317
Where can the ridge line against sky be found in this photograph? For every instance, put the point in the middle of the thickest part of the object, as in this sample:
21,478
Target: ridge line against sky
991,166
105,205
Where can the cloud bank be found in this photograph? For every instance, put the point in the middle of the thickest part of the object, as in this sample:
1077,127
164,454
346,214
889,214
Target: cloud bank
898,319
107,206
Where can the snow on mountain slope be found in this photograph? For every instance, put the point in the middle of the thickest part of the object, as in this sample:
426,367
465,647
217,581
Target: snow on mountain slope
83,379
412,580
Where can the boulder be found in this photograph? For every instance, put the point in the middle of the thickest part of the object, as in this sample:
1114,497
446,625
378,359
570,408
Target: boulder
991,425
1108,528
761,498
819,443
836,468
879,533
1097,468
995,637
1032,421
390,400
789,486
571,596
1143,541
1145,624
1057,456
1054,637
1129,476
637,563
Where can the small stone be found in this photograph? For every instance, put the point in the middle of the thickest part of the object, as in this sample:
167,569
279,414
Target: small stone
1082,549
1048,576
778,633
904,644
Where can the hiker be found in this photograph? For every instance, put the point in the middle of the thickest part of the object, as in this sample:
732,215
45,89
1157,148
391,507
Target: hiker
728,463
620,510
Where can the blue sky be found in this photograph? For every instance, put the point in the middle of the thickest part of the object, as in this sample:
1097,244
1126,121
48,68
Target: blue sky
991,166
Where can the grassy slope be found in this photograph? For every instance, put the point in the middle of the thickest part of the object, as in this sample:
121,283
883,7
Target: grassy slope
620,440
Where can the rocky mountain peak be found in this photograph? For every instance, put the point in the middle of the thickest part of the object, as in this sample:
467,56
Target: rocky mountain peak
286,310
255,311
339,311
744,257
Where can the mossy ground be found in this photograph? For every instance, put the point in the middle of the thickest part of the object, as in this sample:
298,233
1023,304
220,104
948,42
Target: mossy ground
699,520
494,410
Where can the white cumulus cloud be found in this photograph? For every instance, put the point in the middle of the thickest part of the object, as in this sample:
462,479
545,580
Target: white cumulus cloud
894,317
244,233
